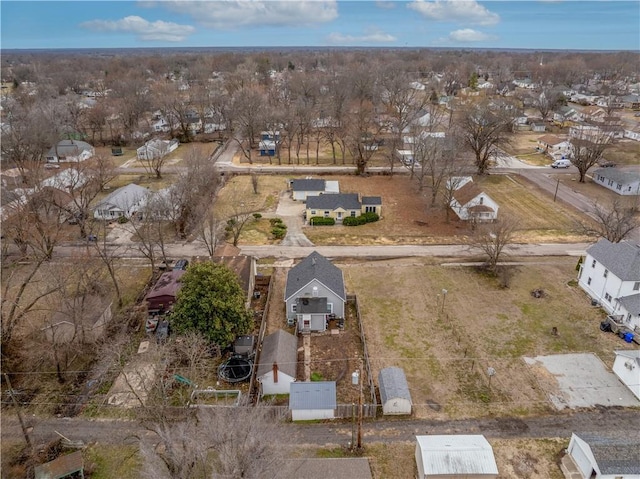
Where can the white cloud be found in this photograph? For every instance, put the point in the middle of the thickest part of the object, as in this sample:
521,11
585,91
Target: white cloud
460,11
467,35
228,14
370,36
144,29
385,5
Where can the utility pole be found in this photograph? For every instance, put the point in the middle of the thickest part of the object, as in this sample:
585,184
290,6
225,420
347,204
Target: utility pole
17,406
556,192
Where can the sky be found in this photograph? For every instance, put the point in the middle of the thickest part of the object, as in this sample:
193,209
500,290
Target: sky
530,24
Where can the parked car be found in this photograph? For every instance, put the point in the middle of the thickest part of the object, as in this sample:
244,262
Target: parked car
561,164
181,264
162,331
606,164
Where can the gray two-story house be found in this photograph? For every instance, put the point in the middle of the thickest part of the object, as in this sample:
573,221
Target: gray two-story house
315,292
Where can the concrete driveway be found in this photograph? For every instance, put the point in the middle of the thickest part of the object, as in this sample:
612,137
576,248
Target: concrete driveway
582,381
291,213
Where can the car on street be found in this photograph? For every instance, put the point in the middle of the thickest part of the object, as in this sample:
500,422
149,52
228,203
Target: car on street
181,264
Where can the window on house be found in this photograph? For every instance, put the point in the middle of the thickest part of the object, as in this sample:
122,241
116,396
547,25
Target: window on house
610,182
588,280
619,187
293,308
327,213
636,286
628,320
313,212
606,273
369,209
330,308
607,296
593,263
482,200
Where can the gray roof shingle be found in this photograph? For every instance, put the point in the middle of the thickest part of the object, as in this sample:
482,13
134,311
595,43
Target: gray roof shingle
616,174
307,184
622,259
371,200
312,395
615,455
281,348
393,384
348,201
315,266
631,303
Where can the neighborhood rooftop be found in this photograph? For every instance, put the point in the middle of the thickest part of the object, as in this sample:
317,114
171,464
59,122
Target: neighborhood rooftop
347,201
281,348
615,455
315,266
312,395
622,259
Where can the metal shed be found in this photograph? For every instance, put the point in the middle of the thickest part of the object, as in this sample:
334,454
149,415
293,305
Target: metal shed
394,391
469,456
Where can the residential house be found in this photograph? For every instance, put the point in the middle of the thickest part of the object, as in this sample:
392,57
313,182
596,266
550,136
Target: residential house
554,146
394,391
631,101
594,113
66,180
622,182
632,135
595,133
627,366
470,202
267,148
277,363
604,456
242,265
566,116
325,468
125,201
82,319
163,294
312,400
70,151
315,292
304,188
406,157
154,149
455,456
610,275
538,126
341,205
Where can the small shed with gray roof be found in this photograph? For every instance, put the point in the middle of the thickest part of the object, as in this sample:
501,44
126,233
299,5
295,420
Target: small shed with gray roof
308,187
315,292
605,456
312,400
277,363
394,391
469,456
622,182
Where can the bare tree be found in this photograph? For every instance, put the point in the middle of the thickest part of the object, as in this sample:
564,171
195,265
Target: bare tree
223,442
155,158
483,130
237,219
210,231
492,238
587,150
614,222
546,102
248,113
109,255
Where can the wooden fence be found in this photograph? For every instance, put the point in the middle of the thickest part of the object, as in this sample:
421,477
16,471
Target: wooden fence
367,364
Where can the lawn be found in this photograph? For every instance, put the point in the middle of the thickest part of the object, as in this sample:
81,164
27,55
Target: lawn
238,195
446,343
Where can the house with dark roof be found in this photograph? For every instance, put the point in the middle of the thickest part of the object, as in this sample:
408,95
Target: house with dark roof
155,148
242,265
622,182
602,457
470,202
312,400
303,188
164,292
610,275
554,146
70,151
277,363
314,293
342,205
394,391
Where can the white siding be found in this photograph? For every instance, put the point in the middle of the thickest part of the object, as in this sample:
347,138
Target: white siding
311,414
281,387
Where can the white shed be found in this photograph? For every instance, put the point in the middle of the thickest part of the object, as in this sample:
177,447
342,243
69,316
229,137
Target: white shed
459,456
394,391
277,363
627,367
312,400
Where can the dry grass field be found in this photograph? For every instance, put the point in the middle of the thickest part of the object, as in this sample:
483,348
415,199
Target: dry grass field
446,344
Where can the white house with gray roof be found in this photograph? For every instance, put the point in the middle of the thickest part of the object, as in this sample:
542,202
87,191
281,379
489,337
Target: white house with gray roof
315,292
622,182
277,363
394,391
306,187
626,366
604,456
70,151
125,201
610,275
311,400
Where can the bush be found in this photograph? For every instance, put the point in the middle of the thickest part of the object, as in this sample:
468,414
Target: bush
275,221
321,221
360,220
257,216
122,220
279,231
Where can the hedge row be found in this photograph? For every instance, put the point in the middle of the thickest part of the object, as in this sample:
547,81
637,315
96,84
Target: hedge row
321,221
360,220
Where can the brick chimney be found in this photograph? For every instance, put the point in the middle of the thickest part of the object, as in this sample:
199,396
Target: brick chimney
275,372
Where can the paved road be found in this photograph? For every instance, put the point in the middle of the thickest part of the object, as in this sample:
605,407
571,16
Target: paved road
625,422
